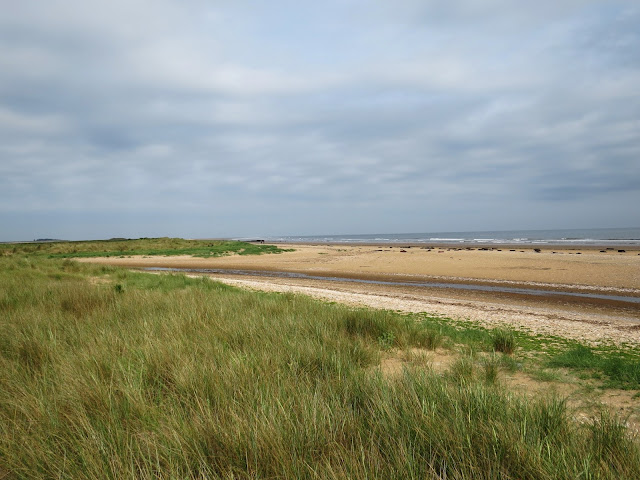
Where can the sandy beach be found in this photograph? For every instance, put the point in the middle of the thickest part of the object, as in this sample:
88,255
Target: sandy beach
399,268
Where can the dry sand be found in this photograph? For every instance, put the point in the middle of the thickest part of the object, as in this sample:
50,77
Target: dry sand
578,270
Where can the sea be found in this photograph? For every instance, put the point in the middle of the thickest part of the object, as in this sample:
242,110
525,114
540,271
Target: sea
591,236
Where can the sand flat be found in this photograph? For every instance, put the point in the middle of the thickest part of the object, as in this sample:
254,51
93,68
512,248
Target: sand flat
593,321
581,267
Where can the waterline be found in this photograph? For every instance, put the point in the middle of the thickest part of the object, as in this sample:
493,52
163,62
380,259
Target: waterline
444,285
562,237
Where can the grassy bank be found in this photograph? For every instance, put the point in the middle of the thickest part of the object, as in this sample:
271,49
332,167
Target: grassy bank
106,373
613,366
141,246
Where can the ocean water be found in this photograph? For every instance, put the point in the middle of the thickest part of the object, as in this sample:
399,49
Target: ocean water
593,236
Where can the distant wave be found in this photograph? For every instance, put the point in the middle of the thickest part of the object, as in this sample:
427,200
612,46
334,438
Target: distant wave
608,237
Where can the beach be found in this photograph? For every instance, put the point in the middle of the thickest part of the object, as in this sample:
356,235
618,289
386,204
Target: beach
410,278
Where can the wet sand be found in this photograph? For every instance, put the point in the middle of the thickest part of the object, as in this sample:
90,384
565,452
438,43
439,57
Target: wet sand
565,270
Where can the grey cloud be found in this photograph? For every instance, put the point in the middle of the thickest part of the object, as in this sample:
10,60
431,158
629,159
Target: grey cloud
374,117
586,186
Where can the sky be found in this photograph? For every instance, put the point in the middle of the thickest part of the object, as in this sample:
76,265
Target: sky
212,118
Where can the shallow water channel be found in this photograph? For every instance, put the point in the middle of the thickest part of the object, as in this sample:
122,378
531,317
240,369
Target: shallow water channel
456,286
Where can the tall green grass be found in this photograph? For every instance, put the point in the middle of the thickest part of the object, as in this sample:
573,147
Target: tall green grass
503,341
173,377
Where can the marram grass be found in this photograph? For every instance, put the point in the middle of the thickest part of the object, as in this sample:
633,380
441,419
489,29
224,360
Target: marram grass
111,374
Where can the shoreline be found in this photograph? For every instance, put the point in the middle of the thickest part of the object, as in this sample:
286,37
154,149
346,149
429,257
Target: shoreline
591,271
558,269
582,293
466,245
554,249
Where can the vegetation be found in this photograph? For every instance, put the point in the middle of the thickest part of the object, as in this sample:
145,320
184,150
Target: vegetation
142,246
620,369
616,366
106,373
503,341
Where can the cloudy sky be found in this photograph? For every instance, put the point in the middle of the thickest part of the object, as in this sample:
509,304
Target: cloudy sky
214,118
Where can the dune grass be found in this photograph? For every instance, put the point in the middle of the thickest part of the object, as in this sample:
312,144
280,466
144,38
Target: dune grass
503,341
106,373
618,369
141,246
615,366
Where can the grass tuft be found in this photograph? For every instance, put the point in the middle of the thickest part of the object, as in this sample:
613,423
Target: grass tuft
503,341
428,339
491,365
462,370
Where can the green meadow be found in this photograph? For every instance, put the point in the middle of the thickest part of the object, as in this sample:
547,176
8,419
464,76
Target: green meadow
142,246
108,373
